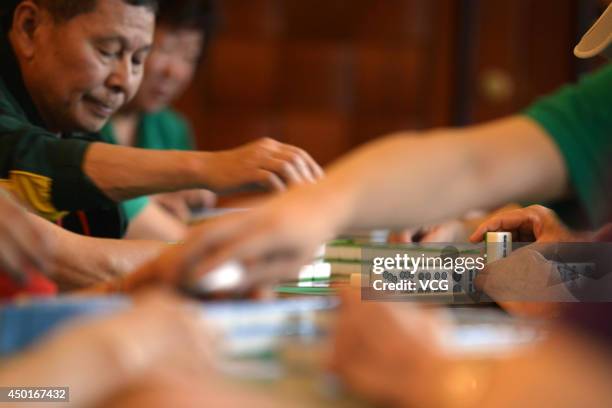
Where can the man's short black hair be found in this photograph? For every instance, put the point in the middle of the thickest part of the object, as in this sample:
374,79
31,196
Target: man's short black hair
197,15
64,10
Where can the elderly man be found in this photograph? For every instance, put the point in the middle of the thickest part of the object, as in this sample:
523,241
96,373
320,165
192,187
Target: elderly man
67,66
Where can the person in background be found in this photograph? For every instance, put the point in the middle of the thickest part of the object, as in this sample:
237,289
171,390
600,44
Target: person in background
182,30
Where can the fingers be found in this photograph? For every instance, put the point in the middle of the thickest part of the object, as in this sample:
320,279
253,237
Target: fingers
492,224
524,225
201,252
268,261
300,164
315,168
204,199
270,180
178,208
181,203
263,272
263,238
302,157
290,164
203,242
245,239
231,237
286,170
267,162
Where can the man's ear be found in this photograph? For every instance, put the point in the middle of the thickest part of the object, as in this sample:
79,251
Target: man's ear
27,19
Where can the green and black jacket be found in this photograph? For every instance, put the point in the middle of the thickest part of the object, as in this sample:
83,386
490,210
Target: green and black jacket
45,170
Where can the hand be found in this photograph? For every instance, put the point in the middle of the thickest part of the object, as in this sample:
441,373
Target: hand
267,162
23,246
389,352
458,230
180,203
534,223
273,240
525,283
96,357
160,331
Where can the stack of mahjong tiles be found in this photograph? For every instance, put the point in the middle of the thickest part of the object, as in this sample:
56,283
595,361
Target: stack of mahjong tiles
344,255
348,258
313,279
317,279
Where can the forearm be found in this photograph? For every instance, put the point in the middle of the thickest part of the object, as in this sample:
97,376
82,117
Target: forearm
81,261
102,260
154,222
108,259
410,179
126,172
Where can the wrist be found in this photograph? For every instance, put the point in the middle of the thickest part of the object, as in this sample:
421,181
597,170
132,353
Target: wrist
199,168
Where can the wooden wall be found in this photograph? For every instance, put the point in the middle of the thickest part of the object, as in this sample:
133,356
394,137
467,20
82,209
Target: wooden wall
328,75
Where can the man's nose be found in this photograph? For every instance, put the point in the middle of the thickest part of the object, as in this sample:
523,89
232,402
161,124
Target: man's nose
122,77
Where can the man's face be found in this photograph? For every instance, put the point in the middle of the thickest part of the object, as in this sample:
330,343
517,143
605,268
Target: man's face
83,70
169,68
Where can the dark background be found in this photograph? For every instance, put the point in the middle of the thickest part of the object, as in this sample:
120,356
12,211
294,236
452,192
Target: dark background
328,75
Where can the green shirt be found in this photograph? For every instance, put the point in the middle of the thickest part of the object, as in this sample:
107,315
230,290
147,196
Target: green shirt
43,169
163,130
579,120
